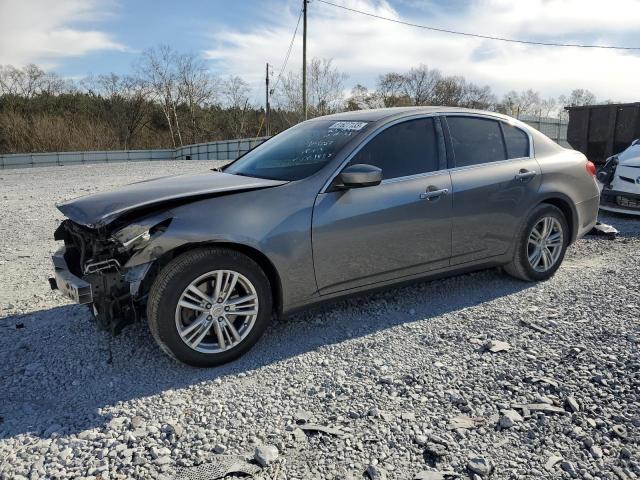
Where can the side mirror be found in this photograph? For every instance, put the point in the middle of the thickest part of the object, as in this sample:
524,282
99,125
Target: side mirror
360,175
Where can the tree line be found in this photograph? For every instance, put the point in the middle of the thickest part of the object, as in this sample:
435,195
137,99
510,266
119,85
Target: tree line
170,99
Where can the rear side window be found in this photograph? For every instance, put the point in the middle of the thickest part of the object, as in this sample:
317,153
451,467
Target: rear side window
476,140
404,149
517,141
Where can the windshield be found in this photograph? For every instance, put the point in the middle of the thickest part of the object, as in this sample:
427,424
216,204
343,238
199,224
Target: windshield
298,152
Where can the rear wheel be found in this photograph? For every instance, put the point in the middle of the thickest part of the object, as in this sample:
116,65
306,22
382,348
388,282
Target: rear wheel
541,245
209,306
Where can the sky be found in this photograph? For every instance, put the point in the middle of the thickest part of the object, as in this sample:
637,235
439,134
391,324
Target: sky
80,37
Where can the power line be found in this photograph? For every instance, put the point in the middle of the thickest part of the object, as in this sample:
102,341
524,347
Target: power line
304,57
286,58
476,35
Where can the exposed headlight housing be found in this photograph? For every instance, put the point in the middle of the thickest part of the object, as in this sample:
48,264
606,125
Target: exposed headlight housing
143,237
142,231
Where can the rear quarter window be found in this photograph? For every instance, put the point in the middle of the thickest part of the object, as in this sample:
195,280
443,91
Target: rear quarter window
517,141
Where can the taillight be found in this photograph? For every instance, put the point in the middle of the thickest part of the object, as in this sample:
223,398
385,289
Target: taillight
591,168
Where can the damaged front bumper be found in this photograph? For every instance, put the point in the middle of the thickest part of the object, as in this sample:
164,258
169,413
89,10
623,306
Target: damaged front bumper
67,283
92,269
114,295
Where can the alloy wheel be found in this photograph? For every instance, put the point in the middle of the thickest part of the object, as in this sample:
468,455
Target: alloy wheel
216,311
545,244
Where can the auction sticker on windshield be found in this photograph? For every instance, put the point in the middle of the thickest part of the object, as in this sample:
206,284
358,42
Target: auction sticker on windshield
348,126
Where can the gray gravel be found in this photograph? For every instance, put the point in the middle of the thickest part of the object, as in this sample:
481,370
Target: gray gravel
405,380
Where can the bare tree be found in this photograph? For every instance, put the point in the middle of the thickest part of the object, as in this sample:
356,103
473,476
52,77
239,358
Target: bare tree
288,95
326,86
125,98
520,103
158,68
548,107
530,102
478,97
173,97
420,83
325,89
416,87
28,82
423,86
390,90
236,98
362,99
197,87
449,91
578,98
9,80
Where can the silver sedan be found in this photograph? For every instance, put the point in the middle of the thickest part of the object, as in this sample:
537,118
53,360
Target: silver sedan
333,206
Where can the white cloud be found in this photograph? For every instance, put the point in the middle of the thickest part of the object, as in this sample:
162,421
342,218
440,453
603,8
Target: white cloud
554,18
41,31
364,47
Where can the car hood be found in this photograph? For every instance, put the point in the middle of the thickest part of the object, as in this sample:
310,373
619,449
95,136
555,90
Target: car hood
100,209
630,157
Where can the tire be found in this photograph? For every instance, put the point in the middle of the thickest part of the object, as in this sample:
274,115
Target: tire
520,266
167,319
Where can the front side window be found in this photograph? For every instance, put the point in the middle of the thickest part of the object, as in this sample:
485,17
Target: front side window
407,148
298,152
517,141
476,140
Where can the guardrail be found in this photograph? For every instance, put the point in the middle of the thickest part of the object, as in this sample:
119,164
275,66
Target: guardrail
224,150
221,150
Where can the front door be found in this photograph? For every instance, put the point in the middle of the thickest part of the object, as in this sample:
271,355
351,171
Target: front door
363,236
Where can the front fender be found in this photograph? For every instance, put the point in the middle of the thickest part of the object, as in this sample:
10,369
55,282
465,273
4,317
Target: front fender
178,234
276,223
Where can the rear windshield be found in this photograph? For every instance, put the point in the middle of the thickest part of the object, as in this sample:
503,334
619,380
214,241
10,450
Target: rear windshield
298,152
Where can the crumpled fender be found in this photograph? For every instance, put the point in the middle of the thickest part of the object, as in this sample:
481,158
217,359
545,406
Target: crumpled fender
176,235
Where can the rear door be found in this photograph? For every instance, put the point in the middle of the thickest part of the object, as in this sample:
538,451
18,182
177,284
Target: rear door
362,236
494,179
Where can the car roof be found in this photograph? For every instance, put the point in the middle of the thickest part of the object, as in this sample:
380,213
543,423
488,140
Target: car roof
380,114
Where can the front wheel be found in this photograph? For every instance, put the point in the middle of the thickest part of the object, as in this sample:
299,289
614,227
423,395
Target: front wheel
209,306
541,245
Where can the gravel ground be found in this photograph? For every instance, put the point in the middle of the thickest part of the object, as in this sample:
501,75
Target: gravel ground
405,380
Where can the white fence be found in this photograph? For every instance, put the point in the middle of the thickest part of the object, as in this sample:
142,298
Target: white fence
72,158
223,150
554,128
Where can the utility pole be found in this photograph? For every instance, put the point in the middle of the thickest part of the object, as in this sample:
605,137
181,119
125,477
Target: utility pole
267,110
304,58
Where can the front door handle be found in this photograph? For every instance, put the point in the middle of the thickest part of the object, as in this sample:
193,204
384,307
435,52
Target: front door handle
432,193
524,175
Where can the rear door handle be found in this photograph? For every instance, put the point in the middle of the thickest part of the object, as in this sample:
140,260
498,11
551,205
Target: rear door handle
429,194
523,175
